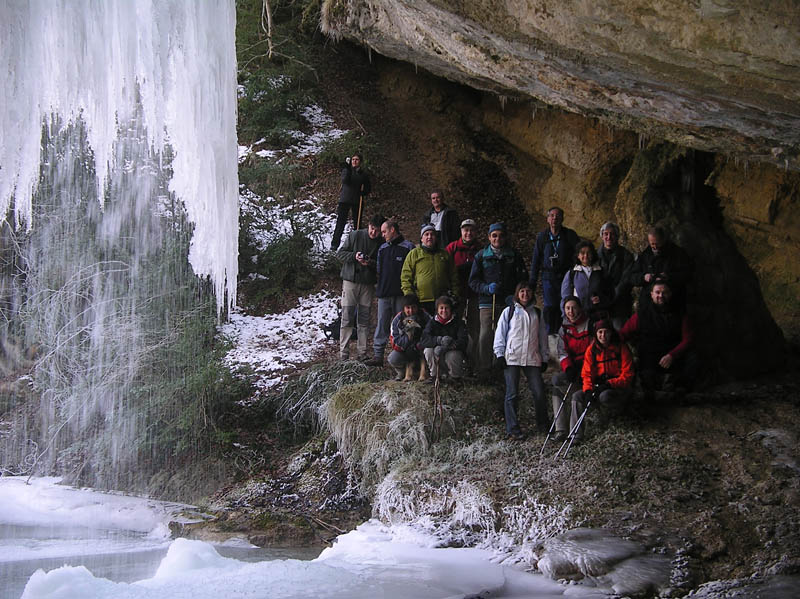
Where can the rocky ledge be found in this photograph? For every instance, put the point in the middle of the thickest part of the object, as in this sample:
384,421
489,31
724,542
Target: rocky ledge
714,75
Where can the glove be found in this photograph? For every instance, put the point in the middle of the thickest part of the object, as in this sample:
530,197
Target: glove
501,362
543,368
598,389
438,351
492,288
447,341
571,373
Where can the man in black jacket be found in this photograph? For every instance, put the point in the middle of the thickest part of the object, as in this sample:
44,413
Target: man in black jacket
444,219
355,189
616,262
665,261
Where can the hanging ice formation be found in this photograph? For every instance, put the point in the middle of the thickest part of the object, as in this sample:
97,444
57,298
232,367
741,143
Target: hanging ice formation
104,60
119,192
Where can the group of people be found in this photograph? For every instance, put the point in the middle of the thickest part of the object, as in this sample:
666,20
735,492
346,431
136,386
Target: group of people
452,304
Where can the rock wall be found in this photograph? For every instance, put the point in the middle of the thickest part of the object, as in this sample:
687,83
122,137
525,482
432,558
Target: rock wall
715,75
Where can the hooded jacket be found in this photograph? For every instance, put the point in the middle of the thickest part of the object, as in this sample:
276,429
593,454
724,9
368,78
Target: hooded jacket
573,341
521,336
429,273
614,361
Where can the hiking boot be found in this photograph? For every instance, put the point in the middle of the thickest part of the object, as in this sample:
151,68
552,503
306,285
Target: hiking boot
376,361
559,436
516,435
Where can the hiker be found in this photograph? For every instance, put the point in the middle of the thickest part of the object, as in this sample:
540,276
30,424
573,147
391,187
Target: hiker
574,338
358,256
463,251
445,340
616,262
428,271
587,282
662,260
664,334
443,218
520,345
553,256
606,375
495,273
352,197
407,327
391,256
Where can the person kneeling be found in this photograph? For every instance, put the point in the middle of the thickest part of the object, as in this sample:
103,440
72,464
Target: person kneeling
407,327
607,374
520,345
445,340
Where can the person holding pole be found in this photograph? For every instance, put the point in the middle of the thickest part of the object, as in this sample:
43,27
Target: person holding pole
355,189
606,375
495,273
574,338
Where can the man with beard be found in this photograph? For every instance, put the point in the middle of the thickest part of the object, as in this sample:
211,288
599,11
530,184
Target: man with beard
664,335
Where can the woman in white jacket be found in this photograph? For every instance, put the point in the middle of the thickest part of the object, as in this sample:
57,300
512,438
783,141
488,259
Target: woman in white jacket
520,345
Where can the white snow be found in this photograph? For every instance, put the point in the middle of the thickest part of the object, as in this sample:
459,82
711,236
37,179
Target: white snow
95,61
274,343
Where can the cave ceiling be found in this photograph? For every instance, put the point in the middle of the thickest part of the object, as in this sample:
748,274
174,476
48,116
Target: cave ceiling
715,75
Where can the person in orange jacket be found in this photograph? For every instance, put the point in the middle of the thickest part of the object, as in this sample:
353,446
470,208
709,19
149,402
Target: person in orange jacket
607,373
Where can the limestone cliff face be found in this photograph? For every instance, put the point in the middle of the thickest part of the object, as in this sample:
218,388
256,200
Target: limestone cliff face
715,75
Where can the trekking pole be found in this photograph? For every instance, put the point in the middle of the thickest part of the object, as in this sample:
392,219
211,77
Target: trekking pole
360,205
555,419
494,297
571,437
438,413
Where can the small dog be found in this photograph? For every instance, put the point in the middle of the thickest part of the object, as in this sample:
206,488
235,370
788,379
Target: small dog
413,331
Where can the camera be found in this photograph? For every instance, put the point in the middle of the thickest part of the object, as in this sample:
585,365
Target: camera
359,256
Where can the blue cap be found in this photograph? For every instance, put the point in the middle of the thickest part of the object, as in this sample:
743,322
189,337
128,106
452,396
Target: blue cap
497,227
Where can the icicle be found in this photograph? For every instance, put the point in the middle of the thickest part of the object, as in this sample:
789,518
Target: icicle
100,60
503,100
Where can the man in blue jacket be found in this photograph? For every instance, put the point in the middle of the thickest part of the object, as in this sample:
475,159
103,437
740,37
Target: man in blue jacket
391,256
553,256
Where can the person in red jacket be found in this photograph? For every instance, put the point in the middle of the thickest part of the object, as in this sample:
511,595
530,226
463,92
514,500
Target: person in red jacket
607,373
463,251
574,337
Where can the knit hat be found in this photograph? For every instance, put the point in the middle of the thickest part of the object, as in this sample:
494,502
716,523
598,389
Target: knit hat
497,227
603,324
426,227
467,223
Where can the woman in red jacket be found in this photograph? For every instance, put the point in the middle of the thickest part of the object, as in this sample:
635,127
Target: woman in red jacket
607,373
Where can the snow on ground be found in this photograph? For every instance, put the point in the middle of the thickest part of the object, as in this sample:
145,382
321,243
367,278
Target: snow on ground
305,144
273,343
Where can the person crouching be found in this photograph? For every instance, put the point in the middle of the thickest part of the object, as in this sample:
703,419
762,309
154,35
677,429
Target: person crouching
520,345
445,340
607,373
407,327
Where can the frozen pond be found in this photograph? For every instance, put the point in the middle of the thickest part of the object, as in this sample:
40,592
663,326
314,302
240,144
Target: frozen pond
59,542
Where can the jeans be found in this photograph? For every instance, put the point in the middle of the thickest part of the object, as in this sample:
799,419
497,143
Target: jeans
535,384
387,308
551,304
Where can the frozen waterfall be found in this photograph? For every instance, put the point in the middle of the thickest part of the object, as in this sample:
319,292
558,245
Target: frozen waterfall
119,188
102,61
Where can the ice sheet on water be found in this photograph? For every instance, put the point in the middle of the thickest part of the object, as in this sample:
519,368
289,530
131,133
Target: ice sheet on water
366,563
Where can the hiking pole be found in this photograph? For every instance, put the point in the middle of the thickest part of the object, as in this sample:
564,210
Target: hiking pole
494,297
555,419
360,205
571,438
438,415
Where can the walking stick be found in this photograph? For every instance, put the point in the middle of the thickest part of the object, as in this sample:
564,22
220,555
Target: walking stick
555,418
571,437
494,297
360,205
438,412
